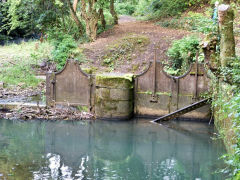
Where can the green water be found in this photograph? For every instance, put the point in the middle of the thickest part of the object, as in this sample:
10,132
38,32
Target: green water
105,150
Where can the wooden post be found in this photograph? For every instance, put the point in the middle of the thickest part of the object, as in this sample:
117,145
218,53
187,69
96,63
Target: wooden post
227,43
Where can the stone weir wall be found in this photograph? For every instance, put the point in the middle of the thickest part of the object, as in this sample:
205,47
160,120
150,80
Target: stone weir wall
119,96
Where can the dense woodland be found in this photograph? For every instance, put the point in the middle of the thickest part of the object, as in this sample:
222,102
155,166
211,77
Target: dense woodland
80,19
56,28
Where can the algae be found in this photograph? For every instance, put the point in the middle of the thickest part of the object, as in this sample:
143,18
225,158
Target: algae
82,108
115,81
157,93
89,70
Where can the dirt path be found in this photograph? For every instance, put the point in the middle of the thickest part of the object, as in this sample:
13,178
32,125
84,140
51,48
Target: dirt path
159,37
126,19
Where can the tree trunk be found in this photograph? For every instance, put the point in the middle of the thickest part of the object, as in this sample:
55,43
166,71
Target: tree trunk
209,49
93,28
90,17
226,1
102,18
227,43
74,16
75,2
113,12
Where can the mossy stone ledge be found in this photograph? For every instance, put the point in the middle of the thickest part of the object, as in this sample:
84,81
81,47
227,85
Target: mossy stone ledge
114,96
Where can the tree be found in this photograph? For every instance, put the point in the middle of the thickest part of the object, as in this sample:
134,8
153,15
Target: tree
73,9
90,15
113,12
227,43
91,12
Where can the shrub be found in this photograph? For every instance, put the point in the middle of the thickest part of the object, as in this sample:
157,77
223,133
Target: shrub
200,23
231,73
125,8
157,9
228,107
141,8
64,46
195,22
166,8
182,52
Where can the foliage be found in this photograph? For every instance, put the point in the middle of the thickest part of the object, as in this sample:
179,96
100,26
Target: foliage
24,17
231,73
196,22
142,8
168,8
200,23
125,8
64,46
228,107
67,25
109,23
182,52
174,23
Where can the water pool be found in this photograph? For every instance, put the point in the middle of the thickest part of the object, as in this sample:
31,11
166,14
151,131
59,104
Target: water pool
105,150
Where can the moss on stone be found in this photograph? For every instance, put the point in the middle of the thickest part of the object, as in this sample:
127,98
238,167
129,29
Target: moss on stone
83,108
135,67
87,70
157,93
163,93
145,92
115,81
90,70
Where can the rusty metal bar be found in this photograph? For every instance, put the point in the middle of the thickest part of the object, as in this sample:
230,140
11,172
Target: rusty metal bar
181,111
155,70
52,92
154,97
196,76
90,93
54,82
134,95
177,81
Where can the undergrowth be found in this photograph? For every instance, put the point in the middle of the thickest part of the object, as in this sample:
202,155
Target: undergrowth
19,74
125,8
65,47
181,54
231,73
195,22
17,61
228,122
226,103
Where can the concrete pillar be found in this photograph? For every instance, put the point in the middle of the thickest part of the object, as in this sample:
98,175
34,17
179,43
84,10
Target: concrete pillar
114,97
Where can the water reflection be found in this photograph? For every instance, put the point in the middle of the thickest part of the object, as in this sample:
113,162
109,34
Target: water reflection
107,150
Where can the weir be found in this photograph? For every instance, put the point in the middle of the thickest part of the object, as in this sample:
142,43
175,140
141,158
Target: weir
153,93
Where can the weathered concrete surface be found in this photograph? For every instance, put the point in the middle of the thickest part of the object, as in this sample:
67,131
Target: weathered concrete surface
113,97
166,94
117,96
71,86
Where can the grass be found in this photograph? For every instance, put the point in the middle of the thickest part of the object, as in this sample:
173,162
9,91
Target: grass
26,51
19,74
16,61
